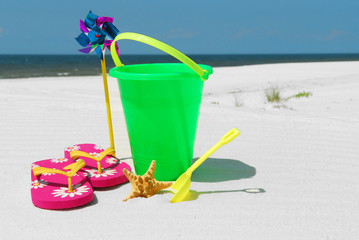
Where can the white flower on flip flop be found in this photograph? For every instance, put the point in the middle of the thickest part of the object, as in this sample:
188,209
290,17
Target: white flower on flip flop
34,165
72,148
97,147
48,174
95,154
106,173
59,160
64,192
38,184
111,160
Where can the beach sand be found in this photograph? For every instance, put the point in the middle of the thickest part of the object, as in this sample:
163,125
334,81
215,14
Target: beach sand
291,174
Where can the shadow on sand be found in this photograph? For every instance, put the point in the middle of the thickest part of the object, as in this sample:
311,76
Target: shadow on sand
193,195
220,170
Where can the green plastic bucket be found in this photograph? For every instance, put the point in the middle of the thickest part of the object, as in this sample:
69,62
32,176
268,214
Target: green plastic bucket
161,104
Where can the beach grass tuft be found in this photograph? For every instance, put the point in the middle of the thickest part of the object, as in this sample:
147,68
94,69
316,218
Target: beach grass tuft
237,101
300,95
273,95
303,94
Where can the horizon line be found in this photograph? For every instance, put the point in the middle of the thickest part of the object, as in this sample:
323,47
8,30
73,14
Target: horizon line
160,54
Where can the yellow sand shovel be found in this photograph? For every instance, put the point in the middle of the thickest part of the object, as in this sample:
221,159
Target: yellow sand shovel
183,184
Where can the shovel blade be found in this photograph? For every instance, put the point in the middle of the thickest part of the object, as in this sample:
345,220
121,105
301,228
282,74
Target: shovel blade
181,188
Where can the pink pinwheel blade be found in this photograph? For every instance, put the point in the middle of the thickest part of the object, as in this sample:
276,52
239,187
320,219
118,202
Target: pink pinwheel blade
102,20
108,45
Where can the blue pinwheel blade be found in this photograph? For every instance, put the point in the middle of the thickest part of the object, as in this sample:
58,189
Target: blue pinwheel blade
83,40
98,51
97,36
110,29
90,20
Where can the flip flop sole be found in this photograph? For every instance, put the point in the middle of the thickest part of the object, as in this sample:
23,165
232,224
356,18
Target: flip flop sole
50,191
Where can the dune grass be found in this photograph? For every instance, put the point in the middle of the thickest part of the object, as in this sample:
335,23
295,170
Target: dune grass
301,94
273,95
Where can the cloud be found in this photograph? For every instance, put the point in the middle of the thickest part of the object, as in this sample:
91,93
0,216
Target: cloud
243,32
180,34
333,34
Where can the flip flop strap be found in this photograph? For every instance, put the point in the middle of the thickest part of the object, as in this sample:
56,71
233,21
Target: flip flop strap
108,152
74,168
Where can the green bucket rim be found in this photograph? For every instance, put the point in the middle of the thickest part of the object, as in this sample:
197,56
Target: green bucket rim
127,71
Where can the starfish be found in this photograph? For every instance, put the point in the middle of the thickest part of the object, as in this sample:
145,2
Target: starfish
145,185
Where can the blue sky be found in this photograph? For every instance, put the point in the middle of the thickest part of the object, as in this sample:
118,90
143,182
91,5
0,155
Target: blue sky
193,27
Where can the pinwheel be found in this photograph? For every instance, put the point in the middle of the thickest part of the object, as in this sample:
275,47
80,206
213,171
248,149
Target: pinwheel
95,31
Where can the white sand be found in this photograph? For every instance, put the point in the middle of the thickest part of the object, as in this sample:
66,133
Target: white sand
293,173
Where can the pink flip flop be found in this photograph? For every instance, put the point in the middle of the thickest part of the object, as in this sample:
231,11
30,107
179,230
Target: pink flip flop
102,168
52,187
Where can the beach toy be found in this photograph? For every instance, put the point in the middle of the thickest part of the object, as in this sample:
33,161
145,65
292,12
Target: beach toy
183,184
146,185
102,167
161,104
52,188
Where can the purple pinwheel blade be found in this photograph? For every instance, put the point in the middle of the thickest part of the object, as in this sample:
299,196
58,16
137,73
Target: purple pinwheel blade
83,27
86,50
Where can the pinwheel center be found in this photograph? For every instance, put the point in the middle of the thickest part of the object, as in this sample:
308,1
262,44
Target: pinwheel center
97,35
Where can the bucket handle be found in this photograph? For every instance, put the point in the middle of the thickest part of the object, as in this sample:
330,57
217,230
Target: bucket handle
160,45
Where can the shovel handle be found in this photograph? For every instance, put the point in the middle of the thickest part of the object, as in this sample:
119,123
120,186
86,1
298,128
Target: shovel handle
229,136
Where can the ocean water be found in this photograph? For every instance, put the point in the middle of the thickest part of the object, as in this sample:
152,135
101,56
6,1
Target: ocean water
27,66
